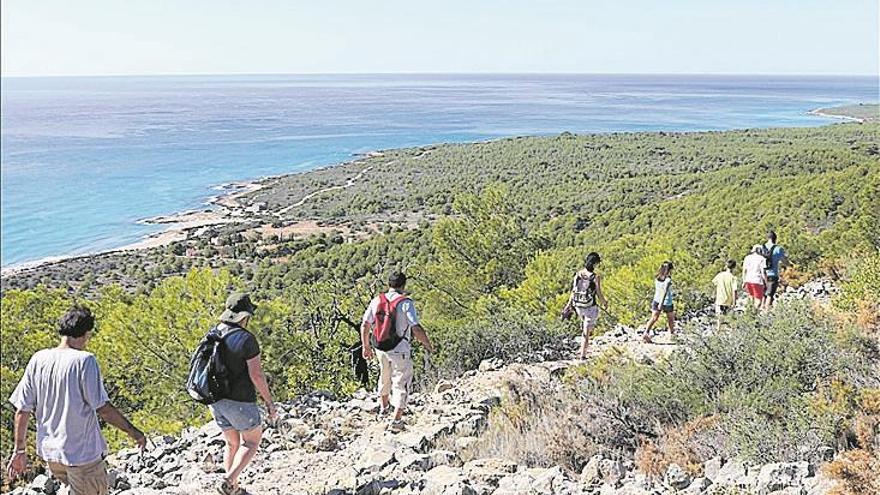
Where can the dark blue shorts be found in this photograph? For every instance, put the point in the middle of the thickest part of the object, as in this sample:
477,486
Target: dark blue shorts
655,306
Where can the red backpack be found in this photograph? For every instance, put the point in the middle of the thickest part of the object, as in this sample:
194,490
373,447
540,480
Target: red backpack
384,335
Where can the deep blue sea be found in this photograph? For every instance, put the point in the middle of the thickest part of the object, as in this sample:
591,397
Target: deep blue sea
84,158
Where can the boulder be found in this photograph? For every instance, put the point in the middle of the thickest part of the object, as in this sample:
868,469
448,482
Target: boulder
413,461
550,481
779,475
731,473
44,484
591,475
443,458
488,471
491,364
443,386
676,477
374,459
447,480
712,467
698,485
599,470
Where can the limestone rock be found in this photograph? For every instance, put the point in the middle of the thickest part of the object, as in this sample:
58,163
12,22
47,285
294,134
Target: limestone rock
780,475
712,467
676,477
447,480
488,471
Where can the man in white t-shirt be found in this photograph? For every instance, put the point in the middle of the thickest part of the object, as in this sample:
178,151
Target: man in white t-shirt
395,365
63,389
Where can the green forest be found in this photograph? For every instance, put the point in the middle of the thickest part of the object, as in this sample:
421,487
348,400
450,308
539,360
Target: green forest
490,235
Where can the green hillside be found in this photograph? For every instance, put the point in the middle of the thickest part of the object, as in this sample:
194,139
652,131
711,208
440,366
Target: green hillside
490,233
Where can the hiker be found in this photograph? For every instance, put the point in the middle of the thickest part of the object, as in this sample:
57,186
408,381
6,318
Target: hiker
662,301
389,324
63,389
754,275
725,290
237,414
774,256
585,291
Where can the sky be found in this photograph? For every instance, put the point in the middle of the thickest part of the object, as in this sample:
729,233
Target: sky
127,37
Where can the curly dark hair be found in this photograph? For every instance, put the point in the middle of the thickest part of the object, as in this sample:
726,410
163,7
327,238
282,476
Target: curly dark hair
76,322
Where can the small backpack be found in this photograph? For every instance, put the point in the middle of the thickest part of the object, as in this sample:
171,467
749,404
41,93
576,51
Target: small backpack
767,253
384,335
584,298
208,379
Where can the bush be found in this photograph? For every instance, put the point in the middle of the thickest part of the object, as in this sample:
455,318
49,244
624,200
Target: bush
762,379
537,424
857,473
508,334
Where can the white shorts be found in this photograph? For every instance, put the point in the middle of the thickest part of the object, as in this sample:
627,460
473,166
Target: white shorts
590,316
395,376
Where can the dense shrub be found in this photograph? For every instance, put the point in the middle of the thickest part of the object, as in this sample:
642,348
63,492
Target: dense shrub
765,380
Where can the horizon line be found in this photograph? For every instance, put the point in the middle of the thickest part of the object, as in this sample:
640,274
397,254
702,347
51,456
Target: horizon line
436,73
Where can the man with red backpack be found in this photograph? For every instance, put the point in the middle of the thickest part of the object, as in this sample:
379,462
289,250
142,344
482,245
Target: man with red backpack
389,325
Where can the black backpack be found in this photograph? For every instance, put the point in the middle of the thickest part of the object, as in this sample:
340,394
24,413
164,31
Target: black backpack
585,298
768,256
208,379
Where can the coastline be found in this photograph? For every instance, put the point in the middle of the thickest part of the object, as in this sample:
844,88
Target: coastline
227,207
821,112
223,208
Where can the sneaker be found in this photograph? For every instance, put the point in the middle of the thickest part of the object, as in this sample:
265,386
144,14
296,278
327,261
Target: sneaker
226,489
384,411
396,426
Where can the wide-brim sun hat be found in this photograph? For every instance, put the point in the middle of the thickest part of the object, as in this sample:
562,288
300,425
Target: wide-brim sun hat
238,307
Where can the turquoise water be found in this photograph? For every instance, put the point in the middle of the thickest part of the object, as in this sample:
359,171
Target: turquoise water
84,158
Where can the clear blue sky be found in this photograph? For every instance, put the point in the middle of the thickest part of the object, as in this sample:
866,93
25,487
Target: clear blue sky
55,37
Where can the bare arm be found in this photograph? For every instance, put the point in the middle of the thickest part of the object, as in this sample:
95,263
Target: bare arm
255,371
599,294
18,463
421,335
366,348
110,414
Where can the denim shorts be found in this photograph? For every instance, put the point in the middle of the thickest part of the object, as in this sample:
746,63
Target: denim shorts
235,415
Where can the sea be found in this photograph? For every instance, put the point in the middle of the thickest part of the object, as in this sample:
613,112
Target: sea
85,158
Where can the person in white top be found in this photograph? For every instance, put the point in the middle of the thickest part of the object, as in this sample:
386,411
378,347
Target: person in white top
395,364
754,276
63,389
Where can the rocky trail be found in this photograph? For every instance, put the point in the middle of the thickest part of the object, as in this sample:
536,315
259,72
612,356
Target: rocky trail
321,445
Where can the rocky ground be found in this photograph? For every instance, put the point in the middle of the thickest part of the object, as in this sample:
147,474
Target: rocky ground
321,445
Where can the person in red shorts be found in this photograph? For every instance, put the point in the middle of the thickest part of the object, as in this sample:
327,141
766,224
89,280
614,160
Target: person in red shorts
754,276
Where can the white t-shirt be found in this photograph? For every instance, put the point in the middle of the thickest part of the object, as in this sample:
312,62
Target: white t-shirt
405,315
753,269
63,389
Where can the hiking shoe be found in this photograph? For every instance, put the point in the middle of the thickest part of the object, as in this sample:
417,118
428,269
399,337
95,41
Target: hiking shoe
384,411
396,426
226,489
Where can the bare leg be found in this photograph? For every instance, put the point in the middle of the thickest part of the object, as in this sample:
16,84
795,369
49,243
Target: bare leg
670,322
233,442
655,315
250,443
585,343
385,400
